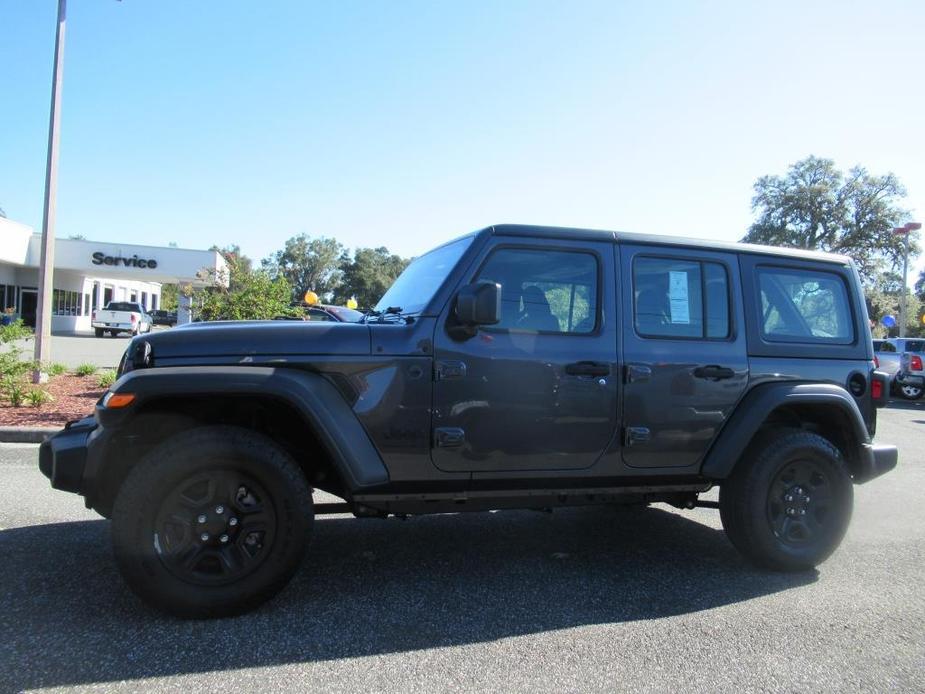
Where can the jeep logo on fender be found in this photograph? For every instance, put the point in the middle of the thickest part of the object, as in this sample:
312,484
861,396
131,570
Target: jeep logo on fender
100,258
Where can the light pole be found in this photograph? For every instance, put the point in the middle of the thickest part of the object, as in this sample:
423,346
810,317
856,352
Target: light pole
905,231
47,261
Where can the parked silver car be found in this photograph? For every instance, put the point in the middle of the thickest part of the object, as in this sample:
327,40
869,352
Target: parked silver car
909,378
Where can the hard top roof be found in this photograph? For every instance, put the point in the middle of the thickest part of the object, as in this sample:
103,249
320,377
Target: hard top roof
546,232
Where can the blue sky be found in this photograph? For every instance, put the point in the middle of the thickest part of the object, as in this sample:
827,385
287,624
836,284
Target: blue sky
407,123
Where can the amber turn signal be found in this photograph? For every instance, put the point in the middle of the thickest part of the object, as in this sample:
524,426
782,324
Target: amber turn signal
119,400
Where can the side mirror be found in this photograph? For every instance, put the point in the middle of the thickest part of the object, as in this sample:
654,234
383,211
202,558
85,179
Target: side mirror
479,304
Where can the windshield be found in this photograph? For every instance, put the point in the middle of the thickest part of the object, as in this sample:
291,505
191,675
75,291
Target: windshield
347,315
416,286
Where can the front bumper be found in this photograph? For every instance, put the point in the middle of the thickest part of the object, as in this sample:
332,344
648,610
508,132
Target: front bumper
63,457
876,460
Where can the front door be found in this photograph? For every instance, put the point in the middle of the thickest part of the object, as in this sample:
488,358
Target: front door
28,306
539,390
684,348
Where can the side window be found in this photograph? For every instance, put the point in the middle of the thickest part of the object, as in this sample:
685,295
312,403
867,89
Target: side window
544,291
804,306
680,298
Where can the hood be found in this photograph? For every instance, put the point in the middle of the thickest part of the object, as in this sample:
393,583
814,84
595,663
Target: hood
259,338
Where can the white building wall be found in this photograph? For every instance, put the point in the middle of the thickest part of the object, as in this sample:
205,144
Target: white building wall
88,273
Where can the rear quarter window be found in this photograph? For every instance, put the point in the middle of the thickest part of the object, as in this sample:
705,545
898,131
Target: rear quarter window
803,305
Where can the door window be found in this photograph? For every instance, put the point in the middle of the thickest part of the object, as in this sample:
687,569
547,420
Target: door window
671,296
545,291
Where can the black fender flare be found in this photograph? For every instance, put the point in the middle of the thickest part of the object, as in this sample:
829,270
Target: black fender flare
754,409
310,394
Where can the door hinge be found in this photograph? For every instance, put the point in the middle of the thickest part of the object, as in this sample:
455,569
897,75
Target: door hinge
635,435
449,437
636,373
449,370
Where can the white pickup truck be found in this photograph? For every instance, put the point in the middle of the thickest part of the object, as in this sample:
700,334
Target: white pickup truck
121,317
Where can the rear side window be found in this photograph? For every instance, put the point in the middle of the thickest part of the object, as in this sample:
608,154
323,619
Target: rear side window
804,306
679,298
880,346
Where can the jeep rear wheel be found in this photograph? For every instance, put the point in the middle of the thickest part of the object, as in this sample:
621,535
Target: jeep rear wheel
211,523
789,506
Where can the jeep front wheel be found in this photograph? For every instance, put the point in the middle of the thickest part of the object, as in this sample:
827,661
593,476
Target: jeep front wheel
211,523
789,506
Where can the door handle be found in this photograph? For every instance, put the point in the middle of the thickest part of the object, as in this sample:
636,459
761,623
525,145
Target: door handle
714,372
588,368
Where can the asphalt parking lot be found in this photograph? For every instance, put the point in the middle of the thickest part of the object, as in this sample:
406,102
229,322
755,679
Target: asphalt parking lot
584,599
73,349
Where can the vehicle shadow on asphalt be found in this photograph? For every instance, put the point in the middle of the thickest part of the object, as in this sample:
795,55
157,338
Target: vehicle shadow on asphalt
368,587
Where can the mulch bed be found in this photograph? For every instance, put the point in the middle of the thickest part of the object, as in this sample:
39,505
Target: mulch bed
74,397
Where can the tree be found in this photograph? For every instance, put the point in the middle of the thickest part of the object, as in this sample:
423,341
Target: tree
883,297
368,274
239,265
816,206
170,297
308,263
250,295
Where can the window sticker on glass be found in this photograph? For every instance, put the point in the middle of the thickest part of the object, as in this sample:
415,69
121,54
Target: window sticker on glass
678,297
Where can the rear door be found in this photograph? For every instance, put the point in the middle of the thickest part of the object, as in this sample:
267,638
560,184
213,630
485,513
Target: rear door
686,362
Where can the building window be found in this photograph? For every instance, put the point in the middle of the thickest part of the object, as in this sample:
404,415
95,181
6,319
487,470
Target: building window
95,295
154,302
144,300
107,295
65,302
86,311
133,296
8,297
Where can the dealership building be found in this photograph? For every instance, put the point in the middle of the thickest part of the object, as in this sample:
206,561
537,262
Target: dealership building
89,274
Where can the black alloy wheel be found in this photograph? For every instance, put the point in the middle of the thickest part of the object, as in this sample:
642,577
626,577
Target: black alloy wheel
800,502
215,528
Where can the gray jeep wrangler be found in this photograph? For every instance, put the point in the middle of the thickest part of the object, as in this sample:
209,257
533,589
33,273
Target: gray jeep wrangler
516,367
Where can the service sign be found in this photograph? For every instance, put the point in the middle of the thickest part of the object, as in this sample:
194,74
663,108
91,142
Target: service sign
100,258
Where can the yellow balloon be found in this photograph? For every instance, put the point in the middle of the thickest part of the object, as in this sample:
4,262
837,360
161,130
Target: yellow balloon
352,303
310,298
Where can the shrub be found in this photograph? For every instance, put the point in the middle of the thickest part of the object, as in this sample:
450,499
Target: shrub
57,369
38,397
85,370
14,390
107,378
14,330
12,366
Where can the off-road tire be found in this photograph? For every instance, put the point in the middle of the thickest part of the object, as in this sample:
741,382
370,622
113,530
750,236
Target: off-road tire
753,506
210,453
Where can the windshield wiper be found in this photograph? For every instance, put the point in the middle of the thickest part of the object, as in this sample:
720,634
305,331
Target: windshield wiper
383,316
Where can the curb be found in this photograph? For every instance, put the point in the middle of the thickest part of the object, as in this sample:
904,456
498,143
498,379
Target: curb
26,434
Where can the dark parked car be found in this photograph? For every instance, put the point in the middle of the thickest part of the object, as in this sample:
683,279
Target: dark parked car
161,317
516,367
